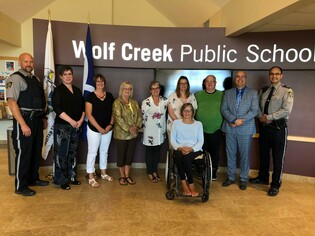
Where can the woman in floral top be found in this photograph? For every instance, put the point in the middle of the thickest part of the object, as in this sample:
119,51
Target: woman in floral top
176,100
154,110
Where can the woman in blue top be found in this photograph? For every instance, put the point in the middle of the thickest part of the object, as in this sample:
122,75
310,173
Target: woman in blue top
187,141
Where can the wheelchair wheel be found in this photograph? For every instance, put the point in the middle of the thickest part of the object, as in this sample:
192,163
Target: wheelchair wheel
168,172
167,166
170,195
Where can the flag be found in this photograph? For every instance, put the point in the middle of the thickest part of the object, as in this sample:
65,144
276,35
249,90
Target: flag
49,84
88,74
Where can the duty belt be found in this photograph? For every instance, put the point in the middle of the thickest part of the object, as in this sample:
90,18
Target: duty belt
277,124
32,113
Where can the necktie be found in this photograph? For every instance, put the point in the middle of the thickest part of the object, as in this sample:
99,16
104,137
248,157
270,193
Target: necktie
238,98
268,100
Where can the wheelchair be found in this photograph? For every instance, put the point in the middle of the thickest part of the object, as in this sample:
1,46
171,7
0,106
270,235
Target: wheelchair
202,168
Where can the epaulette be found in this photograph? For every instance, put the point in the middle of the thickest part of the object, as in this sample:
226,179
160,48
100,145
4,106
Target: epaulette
284,86
264,89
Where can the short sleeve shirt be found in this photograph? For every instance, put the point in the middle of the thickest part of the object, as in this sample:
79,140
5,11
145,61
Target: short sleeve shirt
15,84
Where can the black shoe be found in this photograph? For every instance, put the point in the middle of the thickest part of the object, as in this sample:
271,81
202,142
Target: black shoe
25,192
243,185
214,175
257,180
65,186
273,192
40,183
228,182
76,182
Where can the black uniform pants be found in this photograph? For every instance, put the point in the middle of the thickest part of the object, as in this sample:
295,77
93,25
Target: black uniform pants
276,141
28,151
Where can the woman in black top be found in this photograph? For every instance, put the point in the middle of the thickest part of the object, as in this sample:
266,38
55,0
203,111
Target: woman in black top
98,108
68,104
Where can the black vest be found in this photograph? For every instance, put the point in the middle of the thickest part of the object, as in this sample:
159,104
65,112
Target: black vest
33,97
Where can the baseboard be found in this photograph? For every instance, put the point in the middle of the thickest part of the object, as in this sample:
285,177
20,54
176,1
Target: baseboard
291,177
253,173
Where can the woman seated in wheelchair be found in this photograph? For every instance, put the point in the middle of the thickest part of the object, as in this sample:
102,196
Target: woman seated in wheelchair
187,141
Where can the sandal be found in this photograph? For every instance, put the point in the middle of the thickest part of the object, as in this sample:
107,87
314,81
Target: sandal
130,181
155,175
122,181
93,183
152,178
186,194
65,187
107,177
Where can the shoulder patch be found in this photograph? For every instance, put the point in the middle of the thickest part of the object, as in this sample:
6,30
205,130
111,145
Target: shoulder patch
8,85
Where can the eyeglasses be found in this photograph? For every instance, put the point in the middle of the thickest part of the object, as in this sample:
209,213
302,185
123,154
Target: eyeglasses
155,88
187,110
276,74
240,76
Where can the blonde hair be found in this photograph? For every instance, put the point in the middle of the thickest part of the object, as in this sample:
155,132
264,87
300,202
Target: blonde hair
123,85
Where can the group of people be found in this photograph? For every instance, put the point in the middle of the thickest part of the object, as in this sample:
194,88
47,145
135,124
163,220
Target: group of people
194,123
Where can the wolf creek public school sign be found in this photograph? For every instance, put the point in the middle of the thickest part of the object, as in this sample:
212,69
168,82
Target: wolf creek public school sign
176,48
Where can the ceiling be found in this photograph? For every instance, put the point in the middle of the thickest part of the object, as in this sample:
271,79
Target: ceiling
300,17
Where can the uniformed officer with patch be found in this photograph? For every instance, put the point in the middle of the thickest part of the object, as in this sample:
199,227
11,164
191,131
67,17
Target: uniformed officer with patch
276,103
26,100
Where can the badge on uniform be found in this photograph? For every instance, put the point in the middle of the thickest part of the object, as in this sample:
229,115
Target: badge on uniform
8,85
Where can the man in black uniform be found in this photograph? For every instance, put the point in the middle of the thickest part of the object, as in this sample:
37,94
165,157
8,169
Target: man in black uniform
26,100
276,102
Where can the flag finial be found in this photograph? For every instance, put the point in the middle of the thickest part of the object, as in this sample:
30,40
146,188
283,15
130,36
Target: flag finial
49,15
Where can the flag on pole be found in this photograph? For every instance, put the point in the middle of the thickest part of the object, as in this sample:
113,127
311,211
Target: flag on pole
88,74
49,84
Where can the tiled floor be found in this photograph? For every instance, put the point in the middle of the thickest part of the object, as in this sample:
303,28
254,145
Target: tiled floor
142,209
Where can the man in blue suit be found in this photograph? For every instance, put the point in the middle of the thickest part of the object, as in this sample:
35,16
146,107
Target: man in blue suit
239,109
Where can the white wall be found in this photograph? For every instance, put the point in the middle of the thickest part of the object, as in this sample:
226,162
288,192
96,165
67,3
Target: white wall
4,125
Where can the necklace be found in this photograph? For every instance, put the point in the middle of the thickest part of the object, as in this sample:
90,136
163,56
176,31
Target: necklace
102,96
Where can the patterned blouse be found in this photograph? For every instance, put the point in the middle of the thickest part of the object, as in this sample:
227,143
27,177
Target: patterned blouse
176,103
154,121
126,116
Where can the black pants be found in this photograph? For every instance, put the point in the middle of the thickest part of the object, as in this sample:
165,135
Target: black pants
184,164
276,141
28,151
212,146
152,156
66,141
125,151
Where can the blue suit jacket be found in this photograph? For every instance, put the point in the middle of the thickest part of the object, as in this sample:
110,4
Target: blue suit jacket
247,110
